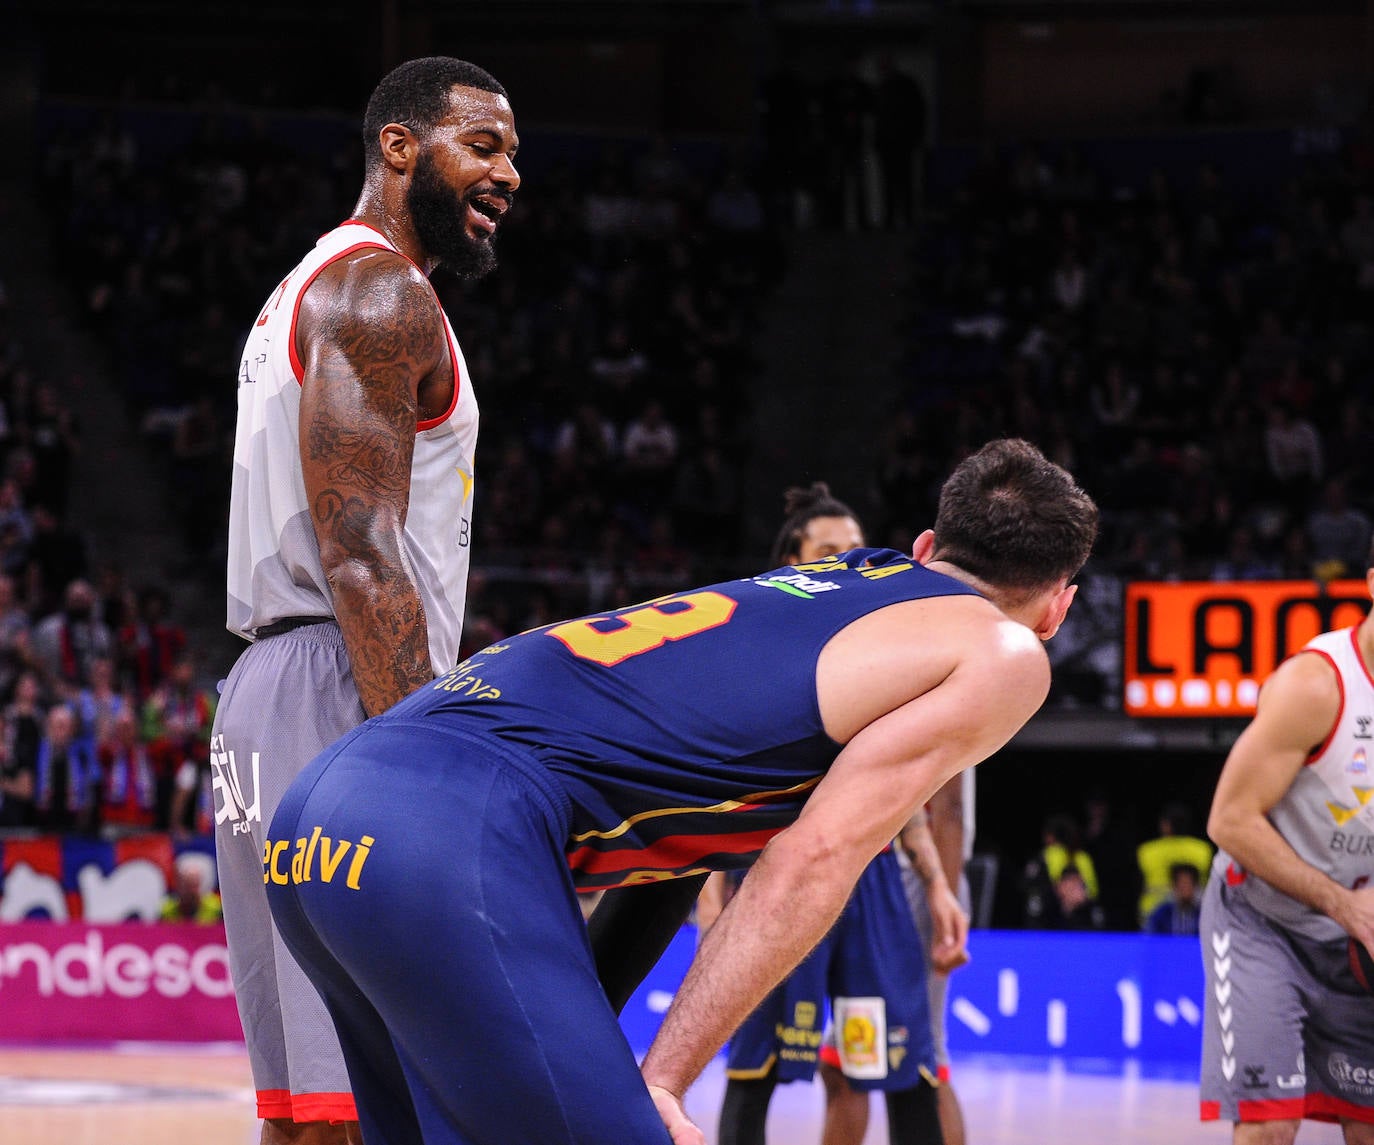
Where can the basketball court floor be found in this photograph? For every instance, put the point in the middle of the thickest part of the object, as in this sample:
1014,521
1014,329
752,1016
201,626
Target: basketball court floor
138,1094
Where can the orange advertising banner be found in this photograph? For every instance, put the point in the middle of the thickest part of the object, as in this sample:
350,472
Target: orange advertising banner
1204,648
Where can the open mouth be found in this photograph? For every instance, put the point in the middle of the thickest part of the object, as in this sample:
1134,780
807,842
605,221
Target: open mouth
485,213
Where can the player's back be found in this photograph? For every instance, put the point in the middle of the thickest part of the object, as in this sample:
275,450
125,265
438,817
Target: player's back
684,726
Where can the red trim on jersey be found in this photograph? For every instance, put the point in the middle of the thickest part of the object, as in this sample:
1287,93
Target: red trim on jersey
942,1074
430,423
1317,752
1359,656
297,366
669,853
1234,875
299,369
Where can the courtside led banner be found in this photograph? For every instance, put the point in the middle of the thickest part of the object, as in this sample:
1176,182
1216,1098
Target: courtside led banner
1203,648
139,981
1047,993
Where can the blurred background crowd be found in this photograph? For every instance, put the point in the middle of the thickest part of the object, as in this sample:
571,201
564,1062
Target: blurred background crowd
1189,329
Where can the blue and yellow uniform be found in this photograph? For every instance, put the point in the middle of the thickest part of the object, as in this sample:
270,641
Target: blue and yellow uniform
871,967
424,869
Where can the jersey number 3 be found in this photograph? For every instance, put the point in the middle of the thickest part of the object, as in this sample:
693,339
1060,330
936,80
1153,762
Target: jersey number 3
630,632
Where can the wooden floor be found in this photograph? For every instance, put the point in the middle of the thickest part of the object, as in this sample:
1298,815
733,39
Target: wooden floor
163,1095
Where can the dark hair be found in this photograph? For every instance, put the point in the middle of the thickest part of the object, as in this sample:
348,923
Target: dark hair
1064,828
1176,869
800,507
415,94
1179,816
1013,518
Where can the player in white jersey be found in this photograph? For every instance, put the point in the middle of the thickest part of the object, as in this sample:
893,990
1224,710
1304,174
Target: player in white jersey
349,521
1288,916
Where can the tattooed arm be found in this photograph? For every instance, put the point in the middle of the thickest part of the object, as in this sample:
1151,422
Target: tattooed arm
371,336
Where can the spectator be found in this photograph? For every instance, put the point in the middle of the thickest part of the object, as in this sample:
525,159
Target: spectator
14,621
66,776
25,717
17,783
66,643
151,644
1339,533
97,704
1174,845
54,443
1040,883
177,717
1179,913
650,450
1077,910
1293,454
193,801
129,789
189,900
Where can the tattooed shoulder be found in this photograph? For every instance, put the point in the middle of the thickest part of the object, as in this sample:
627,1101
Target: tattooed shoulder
374,317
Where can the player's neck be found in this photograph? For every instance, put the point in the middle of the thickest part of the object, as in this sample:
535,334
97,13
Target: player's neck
388,214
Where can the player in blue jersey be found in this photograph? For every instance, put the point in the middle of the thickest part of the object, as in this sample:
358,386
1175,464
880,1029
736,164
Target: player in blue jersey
424,870
871,967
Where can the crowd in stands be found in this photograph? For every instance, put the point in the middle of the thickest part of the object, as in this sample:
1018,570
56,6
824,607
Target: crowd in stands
1200,355
101,722
105,728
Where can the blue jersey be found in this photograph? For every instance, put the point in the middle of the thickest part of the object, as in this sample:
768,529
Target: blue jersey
685,731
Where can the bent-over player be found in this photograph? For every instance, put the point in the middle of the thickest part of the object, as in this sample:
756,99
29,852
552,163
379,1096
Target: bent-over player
424,869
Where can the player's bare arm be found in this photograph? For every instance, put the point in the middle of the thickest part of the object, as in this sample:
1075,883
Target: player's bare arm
950,946
888,768
1297,709
372,340
945,813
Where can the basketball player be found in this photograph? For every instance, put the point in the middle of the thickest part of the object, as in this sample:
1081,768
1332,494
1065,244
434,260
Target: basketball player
349,521
875,953
424,869
1287,914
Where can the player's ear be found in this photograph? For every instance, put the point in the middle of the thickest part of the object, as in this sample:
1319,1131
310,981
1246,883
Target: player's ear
924,547
1055,611
399,146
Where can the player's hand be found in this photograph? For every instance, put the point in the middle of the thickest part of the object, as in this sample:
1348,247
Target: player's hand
949,947
680,1127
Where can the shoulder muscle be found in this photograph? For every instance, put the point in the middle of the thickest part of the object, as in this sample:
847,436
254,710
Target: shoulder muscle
375,316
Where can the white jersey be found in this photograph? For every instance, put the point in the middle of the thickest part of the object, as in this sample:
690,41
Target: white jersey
1327,814
274,558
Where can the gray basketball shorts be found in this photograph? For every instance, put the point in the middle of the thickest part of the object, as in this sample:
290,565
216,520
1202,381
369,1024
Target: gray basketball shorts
287,698
1288,1032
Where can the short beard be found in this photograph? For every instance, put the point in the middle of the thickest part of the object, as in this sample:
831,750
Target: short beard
439,215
